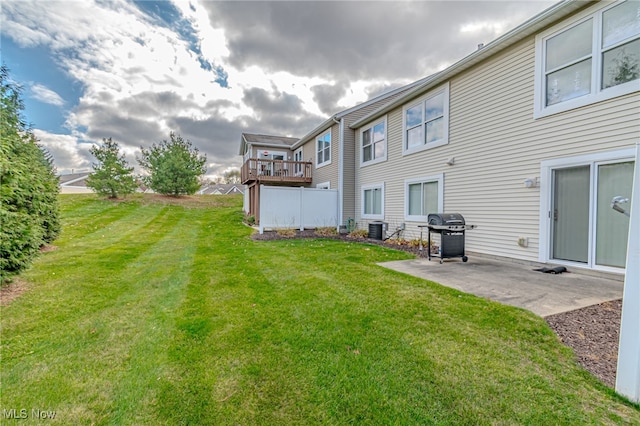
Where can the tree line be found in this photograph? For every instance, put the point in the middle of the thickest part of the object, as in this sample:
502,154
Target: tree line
29,215
174,167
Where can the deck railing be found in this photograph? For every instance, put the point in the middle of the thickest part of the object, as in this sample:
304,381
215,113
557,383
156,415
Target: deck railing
255,169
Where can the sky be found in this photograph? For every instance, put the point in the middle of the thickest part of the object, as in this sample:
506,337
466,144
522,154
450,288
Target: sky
134,71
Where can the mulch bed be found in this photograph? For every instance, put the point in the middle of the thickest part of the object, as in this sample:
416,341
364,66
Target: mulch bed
592,332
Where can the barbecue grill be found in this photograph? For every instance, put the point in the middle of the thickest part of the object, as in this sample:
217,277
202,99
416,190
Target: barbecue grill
451,227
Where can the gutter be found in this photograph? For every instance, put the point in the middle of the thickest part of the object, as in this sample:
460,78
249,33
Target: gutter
270,145
543,19
340,173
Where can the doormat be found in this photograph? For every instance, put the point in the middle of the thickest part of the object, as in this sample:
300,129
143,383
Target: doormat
556,270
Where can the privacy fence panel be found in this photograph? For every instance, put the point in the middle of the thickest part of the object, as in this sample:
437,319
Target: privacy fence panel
286,207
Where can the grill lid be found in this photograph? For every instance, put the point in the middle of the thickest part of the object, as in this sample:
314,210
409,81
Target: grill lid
445,219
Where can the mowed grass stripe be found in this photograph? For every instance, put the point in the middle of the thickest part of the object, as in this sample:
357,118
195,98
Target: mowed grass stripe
91,275
206,366
163,278
214,328
84,217
320,334
108,312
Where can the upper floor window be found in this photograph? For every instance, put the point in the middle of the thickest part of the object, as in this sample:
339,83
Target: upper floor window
374,143
426,122
323,149
595,57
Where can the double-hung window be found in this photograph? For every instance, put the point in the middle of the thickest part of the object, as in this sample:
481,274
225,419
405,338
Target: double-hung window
374,143
423,195
595,57
426,122
323,149
373,201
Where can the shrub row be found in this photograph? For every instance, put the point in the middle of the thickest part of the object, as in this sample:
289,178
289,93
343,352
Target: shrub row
29,215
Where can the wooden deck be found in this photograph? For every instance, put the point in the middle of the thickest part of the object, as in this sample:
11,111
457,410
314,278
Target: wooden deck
282,171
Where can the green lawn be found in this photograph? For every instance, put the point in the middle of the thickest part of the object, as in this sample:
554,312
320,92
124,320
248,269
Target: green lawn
154,313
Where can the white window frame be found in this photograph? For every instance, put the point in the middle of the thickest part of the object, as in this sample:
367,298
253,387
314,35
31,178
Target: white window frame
368,188
370,126
546,193
444,89
324,185
298,155
439,179
324,161
597,94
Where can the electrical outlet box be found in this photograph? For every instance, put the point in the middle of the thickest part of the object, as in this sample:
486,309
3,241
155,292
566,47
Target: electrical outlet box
523,241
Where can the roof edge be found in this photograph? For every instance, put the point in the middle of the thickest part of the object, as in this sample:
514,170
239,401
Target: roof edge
328,122
547,16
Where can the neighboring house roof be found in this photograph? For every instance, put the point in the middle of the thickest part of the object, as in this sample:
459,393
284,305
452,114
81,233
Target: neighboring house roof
530,27
74,183
266,140
334,118
218,189
73,179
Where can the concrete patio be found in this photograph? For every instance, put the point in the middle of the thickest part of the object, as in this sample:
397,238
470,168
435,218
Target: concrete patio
517,284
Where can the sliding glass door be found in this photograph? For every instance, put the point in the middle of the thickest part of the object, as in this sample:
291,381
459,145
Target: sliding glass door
584,227
571,214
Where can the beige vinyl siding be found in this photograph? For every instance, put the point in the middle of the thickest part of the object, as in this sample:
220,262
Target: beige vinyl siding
351,205
308,153
329,172
348,175
497,144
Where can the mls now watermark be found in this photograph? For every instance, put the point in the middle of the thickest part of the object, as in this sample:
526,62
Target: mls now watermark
23,413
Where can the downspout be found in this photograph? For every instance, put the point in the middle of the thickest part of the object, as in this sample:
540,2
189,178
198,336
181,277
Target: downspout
340,169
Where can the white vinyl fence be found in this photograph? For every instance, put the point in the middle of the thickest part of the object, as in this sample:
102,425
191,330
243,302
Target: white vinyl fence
286,207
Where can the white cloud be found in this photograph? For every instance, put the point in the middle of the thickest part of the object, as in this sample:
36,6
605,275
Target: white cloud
46,95
68,154
492,27
287,64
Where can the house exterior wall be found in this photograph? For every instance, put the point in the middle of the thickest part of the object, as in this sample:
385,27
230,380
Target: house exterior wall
329,172
257,150
497,144
349,172
351,157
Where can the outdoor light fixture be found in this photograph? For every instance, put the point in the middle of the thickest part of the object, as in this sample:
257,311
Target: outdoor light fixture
615,204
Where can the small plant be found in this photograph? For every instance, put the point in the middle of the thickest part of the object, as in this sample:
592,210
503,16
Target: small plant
415,243
358,233
250,220
326,231
286,232
402,242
